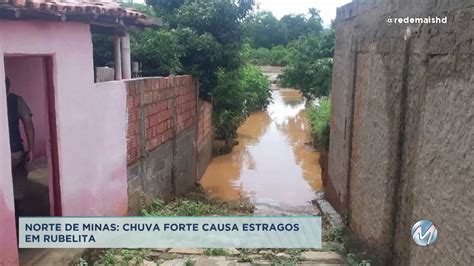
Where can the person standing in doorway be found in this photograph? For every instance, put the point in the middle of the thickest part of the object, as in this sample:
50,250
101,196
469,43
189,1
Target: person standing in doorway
19,110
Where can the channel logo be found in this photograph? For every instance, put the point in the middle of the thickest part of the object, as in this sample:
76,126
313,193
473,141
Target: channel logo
424,233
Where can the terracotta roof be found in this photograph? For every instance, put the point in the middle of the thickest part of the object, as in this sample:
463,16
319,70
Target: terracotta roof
91,9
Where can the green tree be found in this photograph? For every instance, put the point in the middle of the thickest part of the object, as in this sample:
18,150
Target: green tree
300,25
296,26
310,67
206,38
237,94
103,51
277,56
210,33
265,30
158,50
315,23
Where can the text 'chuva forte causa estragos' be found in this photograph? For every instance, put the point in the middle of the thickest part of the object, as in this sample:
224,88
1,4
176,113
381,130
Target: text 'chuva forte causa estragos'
140,232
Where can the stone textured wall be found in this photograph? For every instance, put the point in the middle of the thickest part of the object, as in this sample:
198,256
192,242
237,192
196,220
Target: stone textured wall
163,138
205,137
402,128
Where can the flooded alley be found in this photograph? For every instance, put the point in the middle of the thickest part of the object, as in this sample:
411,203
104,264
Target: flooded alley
273,166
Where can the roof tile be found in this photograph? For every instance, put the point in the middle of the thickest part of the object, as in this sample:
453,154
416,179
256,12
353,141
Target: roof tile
81,6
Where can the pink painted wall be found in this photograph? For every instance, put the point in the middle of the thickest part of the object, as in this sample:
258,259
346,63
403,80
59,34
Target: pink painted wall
91,124
27,76
8,251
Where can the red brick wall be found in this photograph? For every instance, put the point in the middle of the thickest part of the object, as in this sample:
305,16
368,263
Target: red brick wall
151,105
186,103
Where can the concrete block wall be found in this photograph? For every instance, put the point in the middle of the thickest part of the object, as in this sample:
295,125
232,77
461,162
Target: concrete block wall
104,74
402,127
162,138
205,137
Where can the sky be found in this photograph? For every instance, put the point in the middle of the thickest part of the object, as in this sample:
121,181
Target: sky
279,8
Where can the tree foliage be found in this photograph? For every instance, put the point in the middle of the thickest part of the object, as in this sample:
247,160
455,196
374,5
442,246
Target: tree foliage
159,51
264,30
209,33
103,52
319,116
300,25
277,56
237,94
205,38
310,67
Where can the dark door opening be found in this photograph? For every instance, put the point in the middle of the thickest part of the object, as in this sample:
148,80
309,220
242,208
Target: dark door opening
36,181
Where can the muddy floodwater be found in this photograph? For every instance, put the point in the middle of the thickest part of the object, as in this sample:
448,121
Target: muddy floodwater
273,161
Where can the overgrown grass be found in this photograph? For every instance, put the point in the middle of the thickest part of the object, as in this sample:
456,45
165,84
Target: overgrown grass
335,239
189,262
216,252
354,260
319,116
277,56
197,204
121,257
275,260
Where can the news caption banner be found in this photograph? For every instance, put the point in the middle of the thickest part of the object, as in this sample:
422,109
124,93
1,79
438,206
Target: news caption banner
166,232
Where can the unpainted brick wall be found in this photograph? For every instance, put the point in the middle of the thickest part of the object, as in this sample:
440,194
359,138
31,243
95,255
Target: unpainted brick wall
186,103
156,97
402,127
162,135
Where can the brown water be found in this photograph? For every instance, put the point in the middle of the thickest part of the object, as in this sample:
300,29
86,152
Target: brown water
273,162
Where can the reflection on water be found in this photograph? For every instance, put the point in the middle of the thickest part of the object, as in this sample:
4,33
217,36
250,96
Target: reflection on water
272,161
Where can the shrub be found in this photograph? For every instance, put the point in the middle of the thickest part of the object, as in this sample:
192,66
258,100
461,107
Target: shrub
310,65
277,56
319,116
237,94
180,207
209,34
158,50
228,104
256,88
337,239
216,252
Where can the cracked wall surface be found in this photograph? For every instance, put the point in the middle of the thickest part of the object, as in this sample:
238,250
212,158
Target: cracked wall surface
402,127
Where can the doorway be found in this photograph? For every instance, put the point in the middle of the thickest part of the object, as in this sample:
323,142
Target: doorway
36,182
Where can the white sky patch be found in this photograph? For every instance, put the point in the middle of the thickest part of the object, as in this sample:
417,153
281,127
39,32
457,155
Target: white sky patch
279,8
